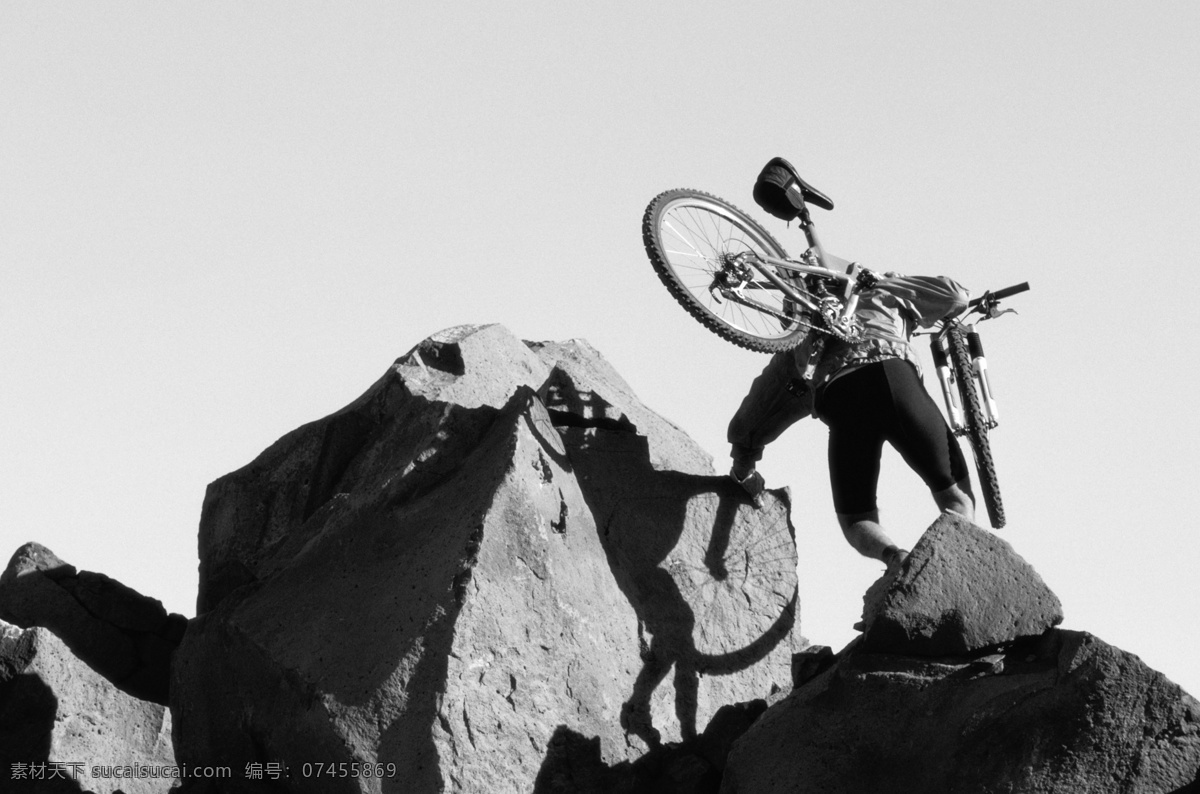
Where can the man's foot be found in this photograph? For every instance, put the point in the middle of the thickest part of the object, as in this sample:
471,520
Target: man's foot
752,483
894,557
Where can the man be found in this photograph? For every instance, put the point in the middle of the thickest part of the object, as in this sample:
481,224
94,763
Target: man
867,392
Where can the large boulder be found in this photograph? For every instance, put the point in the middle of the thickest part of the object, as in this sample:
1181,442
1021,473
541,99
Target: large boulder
1063,713
961,684
432,405
494,548
63,727
123,635
961,589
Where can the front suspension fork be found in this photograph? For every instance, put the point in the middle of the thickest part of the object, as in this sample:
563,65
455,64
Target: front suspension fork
952,389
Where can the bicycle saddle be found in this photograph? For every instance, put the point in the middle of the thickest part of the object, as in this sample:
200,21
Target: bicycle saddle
781,192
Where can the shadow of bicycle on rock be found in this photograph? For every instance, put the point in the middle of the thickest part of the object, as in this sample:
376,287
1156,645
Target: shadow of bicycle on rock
711,579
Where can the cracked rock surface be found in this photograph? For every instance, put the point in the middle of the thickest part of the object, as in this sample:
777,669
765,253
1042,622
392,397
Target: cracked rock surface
54,709
125,636
494,567
962,589
962,683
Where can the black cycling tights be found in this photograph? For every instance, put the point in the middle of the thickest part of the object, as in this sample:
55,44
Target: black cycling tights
884,401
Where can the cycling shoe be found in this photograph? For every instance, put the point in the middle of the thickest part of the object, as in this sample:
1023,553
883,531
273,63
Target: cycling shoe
753,484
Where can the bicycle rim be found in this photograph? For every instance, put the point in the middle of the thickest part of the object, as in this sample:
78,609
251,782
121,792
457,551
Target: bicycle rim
977,429
686,234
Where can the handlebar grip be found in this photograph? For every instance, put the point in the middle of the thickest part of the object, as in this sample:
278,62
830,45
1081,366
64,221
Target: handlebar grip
1002,293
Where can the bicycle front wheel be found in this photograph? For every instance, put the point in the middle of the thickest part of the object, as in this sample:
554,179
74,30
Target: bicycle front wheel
689,236
977,428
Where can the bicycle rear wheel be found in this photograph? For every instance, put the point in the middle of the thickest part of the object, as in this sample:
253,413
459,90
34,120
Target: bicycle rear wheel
689,236
977,428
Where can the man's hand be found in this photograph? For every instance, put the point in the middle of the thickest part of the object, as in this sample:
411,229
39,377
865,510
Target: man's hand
866,280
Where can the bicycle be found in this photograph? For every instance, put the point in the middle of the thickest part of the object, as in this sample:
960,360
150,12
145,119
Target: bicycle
735,278
971,406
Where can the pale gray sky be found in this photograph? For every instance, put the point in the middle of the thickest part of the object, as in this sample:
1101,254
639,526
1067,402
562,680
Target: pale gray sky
219,221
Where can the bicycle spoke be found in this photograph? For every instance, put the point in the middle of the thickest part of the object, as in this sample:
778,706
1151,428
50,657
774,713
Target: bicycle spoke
704,232
696,238
682,239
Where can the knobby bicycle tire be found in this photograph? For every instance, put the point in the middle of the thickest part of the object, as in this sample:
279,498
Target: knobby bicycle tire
977,428
685,232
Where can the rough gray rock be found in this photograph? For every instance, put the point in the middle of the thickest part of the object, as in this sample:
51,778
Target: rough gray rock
1011,705
495,546
1063,713
962,589
432,405
810,663
578,371
54,708
123,635
712,580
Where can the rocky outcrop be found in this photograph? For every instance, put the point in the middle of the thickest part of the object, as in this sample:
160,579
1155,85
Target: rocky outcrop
963,589
573,763
415,425
125,636
63,727
960,684
493,565
496,570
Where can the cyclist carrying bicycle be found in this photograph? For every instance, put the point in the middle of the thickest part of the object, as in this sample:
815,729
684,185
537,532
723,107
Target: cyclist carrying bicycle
867,392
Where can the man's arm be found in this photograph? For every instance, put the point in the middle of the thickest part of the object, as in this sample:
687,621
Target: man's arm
927,298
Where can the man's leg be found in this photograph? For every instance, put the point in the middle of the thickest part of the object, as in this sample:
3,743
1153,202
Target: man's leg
774,403
926,443
744,460
851,408
957,498
864,533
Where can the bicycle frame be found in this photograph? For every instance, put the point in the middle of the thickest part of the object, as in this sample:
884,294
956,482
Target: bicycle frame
766,266
815,251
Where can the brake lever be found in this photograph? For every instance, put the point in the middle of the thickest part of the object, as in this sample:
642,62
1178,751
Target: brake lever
989,307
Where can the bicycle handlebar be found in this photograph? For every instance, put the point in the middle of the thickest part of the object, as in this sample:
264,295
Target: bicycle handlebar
999,294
